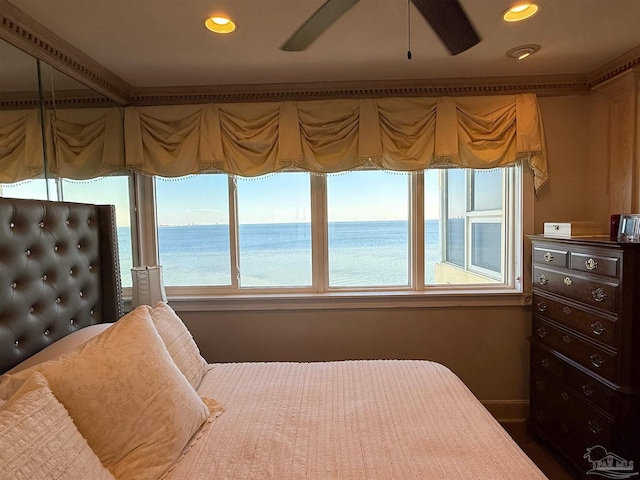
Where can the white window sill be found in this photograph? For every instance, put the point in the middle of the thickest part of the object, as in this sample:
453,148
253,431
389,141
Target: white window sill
350,300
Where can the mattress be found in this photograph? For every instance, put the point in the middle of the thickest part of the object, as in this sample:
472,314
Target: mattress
382,419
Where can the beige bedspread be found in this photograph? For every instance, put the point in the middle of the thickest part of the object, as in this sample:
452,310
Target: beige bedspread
349,420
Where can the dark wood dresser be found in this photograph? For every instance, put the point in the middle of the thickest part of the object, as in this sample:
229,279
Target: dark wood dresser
585,348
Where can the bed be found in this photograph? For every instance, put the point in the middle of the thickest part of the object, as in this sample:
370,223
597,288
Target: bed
88,391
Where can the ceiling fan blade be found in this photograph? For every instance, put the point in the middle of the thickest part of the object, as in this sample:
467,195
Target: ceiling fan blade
316,24
451,24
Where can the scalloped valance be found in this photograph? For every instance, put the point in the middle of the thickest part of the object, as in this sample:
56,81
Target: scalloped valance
326,136
323,136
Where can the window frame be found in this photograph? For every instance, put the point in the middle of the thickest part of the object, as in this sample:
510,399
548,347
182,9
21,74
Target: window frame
417,293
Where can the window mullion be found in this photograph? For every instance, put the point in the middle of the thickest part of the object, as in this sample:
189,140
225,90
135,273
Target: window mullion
416,229
234,246
319,234
146,219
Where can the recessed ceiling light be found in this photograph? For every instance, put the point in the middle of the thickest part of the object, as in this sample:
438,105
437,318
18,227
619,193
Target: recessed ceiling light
220,24
520,11
523,51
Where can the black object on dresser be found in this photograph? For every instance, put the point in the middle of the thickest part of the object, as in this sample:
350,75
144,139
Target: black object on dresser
585,351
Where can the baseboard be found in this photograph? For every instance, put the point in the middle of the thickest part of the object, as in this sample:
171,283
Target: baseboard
508,410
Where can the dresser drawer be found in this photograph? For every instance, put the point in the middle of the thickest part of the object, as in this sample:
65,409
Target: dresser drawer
544,360
591,390
594,326
595,359
550,256
583,289
571,416
598,264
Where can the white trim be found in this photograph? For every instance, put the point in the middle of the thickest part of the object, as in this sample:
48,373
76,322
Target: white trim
350,300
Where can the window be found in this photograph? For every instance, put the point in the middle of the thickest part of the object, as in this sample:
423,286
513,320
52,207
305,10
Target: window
298,232
105,190
474,231
368,229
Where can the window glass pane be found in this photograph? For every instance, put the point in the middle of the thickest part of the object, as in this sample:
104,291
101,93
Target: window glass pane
432,244
456,211
368,213
274,217
193,230
472,239
107,191
487,189
35,189
486,245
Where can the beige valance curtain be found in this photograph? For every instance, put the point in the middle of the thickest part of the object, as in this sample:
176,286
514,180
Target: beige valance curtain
401,134
20,145
324,136
85,142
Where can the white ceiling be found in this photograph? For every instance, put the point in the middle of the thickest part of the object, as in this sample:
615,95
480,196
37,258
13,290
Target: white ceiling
162,43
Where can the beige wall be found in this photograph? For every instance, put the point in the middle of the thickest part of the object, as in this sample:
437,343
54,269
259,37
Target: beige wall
487,347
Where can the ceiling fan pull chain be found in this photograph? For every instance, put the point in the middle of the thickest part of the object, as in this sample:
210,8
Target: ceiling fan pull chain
409,29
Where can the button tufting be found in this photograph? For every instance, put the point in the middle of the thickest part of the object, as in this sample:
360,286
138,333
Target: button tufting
58,300
89,222
46,332
12,225
71,272
31,309
15,344
27,253
78,246
55,249
14,285
67,222
44,277
91,312
81,294
90,267
41,224
71,321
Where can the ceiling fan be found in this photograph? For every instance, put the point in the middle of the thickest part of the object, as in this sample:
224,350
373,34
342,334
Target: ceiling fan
446,17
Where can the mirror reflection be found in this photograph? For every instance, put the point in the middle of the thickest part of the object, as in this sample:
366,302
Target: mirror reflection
52,130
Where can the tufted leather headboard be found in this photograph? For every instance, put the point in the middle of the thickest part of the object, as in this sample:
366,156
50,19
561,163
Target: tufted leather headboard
59,272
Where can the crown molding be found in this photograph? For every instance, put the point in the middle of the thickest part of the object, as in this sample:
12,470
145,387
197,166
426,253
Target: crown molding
35,39
25,33
542,85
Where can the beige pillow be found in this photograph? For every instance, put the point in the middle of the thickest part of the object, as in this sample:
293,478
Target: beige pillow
179,343
64,345
127,397
39,440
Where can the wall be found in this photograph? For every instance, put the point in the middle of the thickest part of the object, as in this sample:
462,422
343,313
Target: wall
486,347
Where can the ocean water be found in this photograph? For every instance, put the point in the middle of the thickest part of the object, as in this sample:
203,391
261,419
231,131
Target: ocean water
361,254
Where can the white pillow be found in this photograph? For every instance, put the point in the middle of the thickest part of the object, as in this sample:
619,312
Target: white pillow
38,439
127,397
64,345
179,343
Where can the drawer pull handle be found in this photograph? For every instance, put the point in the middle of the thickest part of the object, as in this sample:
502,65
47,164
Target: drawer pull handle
566,311
543,280
587,389
599,295
564,396
595,427
598,328
546,363
566,339
540,415
542,332
564,429
548,257
540,385
591,264
568,281
542,306
596,360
